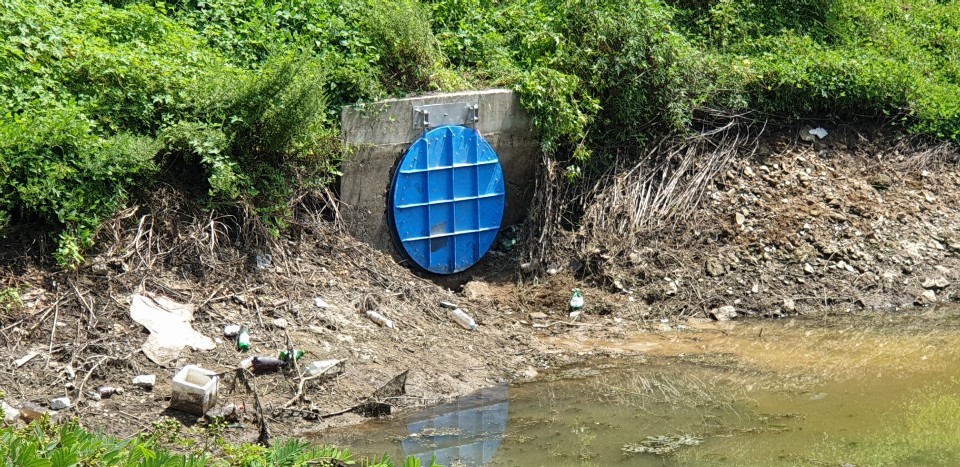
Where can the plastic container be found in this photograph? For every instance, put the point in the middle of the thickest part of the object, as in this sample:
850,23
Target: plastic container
243,340
379,319
463,319
194,390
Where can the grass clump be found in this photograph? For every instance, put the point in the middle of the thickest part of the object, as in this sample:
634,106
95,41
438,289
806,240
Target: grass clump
42,443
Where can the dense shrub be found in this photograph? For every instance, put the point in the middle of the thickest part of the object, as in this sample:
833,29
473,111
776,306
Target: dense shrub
101,96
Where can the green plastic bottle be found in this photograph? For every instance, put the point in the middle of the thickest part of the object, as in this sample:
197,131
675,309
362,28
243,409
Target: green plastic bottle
576,300
243,339
298,353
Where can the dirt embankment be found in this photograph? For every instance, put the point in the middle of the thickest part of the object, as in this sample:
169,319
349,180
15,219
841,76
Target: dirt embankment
802,226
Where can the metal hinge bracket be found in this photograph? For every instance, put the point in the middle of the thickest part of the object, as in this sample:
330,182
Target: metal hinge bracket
434,115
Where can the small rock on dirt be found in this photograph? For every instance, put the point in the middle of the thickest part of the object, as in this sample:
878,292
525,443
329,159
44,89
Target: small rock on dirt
935,283
715,268
231,330
10,414
476,290
529,373
60,403
723,313
928,297
789,305
537,315
145,381
279,323
321,303
808,268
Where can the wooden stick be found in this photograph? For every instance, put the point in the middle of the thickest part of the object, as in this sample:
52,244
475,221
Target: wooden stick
53,330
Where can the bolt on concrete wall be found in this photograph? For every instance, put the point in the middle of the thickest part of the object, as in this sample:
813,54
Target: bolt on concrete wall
380,133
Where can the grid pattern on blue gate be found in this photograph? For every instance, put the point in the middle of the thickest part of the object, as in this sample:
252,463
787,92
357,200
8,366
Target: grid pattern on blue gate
448,199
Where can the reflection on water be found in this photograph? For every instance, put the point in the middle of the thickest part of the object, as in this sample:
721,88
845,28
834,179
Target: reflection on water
467,431
878,390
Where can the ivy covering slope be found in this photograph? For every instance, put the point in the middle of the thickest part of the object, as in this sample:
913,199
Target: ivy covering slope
102,100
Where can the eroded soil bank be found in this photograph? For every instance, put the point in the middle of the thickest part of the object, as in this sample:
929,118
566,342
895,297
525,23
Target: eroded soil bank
800,226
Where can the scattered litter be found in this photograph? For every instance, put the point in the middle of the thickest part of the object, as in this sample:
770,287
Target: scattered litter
575,314
324,366
263,261
537,315
243,339
552,271
284,356
449,305
374,406
107,391
576,300
379,319
169,326
26,358
30,411
266,364
321,303
145,381
229,412
279,323
60,403
231,330
194,390
10,414
463,319
819,132
247,363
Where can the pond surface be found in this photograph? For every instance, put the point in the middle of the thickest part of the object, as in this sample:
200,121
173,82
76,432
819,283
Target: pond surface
860,390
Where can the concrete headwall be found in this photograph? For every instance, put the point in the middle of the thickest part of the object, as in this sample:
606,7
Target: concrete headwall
379,134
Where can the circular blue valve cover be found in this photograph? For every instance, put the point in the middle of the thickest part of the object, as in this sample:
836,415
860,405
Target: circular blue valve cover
447,199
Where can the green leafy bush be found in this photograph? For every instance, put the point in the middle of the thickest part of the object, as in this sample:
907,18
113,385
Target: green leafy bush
103,96
42,444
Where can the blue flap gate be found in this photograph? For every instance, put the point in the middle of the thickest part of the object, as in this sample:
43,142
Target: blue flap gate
447,199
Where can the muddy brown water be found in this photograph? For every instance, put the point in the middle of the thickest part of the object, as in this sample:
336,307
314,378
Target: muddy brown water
830,390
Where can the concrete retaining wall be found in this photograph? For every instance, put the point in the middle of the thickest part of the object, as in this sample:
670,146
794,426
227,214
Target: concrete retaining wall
379,134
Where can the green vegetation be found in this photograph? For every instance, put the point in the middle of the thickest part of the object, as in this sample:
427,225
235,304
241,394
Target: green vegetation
927,434
104,99
43,444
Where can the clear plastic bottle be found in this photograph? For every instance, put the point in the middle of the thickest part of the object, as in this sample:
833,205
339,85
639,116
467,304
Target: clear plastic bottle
463,319
322,366
379,319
